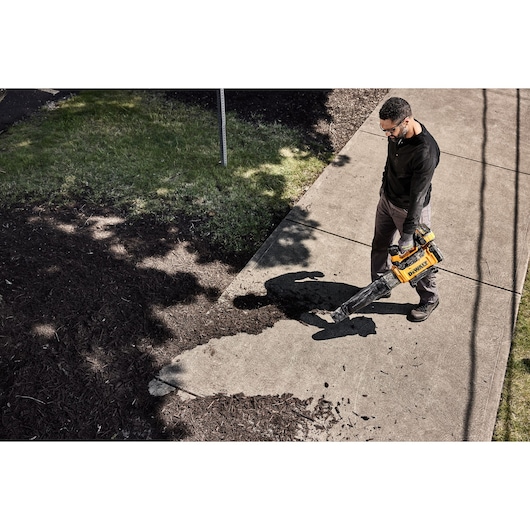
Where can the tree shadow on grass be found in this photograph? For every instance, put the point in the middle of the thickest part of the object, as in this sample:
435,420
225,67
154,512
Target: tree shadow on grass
299,109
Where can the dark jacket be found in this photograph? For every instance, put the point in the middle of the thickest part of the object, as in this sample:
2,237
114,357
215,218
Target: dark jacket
408,173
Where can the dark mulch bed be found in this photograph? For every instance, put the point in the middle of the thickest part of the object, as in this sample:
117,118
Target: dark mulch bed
79,340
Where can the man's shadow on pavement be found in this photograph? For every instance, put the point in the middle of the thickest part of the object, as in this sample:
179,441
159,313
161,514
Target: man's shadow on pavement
303,296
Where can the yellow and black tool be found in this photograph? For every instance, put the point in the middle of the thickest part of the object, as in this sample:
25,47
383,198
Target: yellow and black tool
410,267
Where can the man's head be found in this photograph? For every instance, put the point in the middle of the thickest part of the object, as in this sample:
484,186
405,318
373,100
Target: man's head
394,116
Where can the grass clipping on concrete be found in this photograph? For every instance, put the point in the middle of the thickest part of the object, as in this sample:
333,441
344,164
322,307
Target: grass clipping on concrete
138,152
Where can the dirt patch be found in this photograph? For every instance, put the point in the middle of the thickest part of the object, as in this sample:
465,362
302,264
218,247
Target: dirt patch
92,305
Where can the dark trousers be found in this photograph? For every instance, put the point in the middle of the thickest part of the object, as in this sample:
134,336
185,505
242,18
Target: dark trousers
389,220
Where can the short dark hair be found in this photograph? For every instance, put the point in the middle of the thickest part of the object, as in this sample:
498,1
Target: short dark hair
395,109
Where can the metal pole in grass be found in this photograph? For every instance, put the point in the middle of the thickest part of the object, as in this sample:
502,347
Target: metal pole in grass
222,124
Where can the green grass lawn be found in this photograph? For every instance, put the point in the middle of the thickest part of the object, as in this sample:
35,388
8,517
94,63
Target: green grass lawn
142,154
513,418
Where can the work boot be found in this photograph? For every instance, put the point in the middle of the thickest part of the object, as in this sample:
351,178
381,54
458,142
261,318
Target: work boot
422,312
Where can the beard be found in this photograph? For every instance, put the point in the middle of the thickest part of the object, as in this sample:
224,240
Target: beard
401,135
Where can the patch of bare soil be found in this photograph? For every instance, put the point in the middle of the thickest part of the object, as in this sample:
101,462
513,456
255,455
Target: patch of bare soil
92,305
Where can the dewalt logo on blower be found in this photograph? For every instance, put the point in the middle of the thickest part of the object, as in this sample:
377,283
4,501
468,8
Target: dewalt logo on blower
417,269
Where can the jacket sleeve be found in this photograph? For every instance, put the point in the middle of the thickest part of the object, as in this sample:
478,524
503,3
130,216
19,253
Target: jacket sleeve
383,177
423,166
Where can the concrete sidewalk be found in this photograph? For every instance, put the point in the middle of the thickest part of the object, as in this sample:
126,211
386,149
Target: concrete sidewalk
391,379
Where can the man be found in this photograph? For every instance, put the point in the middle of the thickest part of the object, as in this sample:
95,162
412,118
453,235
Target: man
405,195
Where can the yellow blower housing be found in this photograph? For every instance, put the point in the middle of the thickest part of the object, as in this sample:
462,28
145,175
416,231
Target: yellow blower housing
411,265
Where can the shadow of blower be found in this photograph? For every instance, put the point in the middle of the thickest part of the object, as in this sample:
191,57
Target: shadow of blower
305,297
